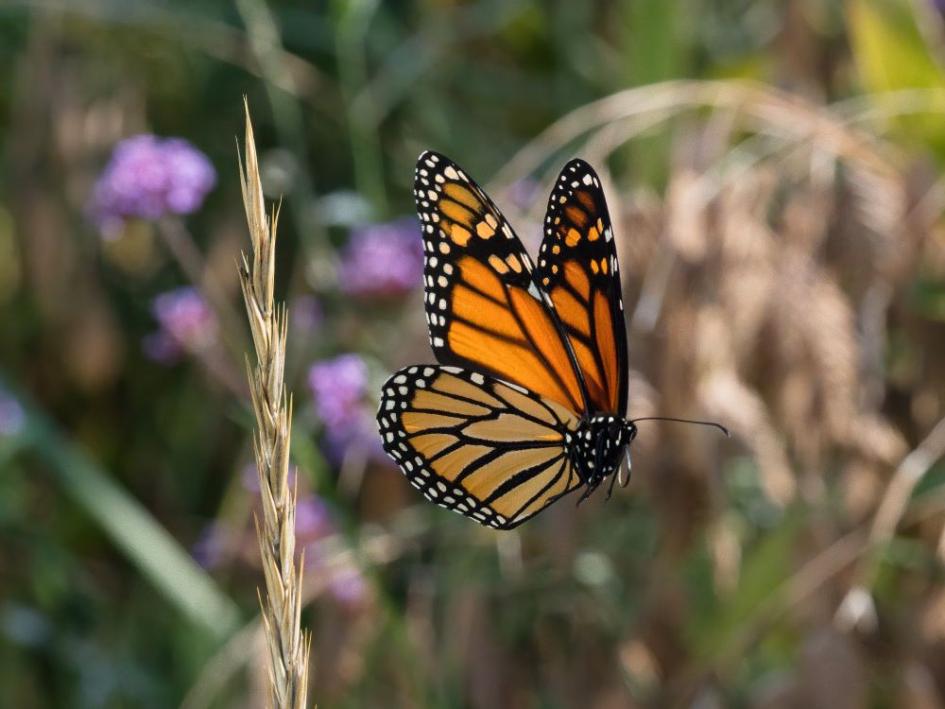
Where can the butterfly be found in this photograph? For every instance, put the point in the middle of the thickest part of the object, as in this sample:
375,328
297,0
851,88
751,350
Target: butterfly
528,402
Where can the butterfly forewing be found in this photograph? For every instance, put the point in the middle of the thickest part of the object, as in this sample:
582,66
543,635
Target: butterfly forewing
483,307
485,448
577,267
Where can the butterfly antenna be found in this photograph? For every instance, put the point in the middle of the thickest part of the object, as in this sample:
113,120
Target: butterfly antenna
697,423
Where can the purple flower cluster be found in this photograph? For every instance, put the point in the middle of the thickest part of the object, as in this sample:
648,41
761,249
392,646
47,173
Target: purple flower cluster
211,547
148,177
312,520
383,260
523,193
339,387
348,587
187,324
306,314
313,523
12,416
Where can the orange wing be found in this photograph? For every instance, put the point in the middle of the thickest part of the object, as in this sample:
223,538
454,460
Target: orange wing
487,449
577,267
484,310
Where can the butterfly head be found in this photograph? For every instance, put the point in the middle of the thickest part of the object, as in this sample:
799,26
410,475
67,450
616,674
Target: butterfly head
599,446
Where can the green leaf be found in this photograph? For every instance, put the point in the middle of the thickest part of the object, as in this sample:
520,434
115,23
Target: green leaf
765,568
654,50
132,529
928,299
891,55
656,46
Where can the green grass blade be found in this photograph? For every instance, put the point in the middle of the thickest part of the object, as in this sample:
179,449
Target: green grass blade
130,527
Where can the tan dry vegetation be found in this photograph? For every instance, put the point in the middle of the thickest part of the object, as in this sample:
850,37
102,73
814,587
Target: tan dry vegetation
760,288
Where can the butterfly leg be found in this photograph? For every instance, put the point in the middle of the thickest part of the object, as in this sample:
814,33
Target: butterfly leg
613,479
584,495
587,492
626,480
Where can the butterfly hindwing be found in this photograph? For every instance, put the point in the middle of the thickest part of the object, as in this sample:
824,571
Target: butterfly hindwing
484,309
487,449
577,267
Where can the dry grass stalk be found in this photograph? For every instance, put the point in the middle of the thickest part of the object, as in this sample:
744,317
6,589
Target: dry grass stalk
895,501
770,111
282,603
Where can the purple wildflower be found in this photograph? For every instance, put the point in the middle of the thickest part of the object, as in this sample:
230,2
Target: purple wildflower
348,587
312,520
12,416
186,325
159,347
306,313
361,435
383,259
523,193
339,386
148,177
210,548
344,580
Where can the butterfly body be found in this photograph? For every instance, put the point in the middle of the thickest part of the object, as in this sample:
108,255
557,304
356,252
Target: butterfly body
598,448
528,401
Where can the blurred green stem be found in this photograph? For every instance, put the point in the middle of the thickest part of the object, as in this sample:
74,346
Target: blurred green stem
185,251
199,31
898,493
655,49
352,19
130,526
266,44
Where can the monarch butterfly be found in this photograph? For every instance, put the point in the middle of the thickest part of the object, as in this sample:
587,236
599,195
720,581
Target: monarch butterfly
529,400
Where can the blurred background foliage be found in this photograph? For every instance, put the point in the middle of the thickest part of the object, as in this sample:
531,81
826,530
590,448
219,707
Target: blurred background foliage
773,172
